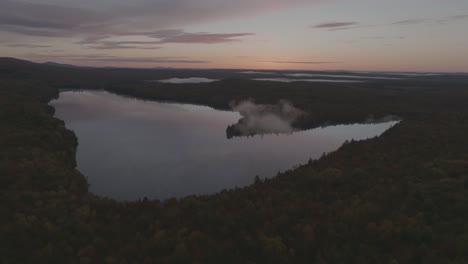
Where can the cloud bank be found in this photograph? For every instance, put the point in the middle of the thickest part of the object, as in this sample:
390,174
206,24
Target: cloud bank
85,18
339,25
163,37
102,59
301,62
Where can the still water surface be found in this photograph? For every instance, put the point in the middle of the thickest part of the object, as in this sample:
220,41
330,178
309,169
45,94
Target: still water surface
130,148
188,80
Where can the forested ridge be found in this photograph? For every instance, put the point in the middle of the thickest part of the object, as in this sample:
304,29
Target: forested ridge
398,198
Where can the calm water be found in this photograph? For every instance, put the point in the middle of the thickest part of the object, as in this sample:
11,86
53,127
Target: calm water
188,80
306,80
130,148
342,76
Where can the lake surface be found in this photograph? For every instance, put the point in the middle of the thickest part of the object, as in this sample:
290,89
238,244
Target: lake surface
306,80
188,80
130,148
343,76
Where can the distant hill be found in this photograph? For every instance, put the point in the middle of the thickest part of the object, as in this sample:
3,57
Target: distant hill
12,62
55,64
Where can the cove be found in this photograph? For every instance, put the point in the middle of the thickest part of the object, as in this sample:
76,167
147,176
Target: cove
130,148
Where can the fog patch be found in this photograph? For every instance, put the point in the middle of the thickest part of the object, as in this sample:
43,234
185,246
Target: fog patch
263,118
388,118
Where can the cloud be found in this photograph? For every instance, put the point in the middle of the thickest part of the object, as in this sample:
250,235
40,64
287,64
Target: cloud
116,46
333,25
205,38
443,20
302,62
35,32
102,58
376,37
409,22
384,38
110,45
263,119
23,17
20,45
449,19
58,18
69,56
163,37
168,60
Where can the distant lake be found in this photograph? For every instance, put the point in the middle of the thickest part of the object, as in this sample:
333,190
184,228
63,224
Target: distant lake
343,76
130,148
306,80
187,80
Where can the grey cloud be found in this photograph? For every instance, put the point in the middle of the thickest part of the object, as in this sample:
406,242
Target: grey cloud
409,22
384,38
26,15
165,33
302,62
103,58
330,25
143,60
376,37
20,45
449,19
59,18
113,47
70,56
109,45
443,20
163,36
335,26
205,38
35,32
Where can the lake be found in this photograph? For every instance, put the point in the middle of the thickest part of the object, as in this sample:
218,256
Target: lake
130,148
307,80
187,80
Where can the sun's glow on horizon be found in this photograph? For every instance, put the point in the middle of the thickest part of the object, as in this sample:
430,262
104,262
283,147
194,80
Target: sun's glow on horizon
260,35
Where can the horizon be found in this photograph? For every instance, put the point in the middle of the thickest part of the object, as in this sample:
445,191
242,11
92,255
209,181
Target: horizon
298,35
236,69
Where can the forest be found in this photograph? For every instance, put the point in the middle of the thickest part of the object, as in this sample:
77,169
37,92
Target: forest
398,198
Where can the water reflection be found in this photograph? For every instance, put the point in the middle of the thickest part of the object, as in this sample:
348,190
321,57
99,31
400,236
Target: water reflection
187,80
287,80
342,76
130,148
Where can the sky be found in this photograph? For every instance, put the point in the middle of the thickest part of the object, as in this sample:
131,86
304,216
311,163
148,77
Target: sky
360,35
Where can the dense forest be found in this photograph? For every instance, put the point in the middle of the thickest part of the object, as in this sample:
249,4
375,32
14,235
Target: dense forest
398,198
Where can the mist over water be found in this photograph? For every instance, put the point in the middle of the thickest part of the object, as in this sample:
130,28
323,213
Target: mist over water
264,119
130,149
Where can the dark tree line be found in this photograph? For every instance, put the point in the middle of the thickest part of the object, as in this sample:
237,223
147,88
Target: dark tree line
399,198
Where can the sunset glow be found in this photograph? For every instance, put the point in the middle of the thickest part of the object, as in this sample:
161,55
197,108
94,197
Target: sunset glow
399,35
